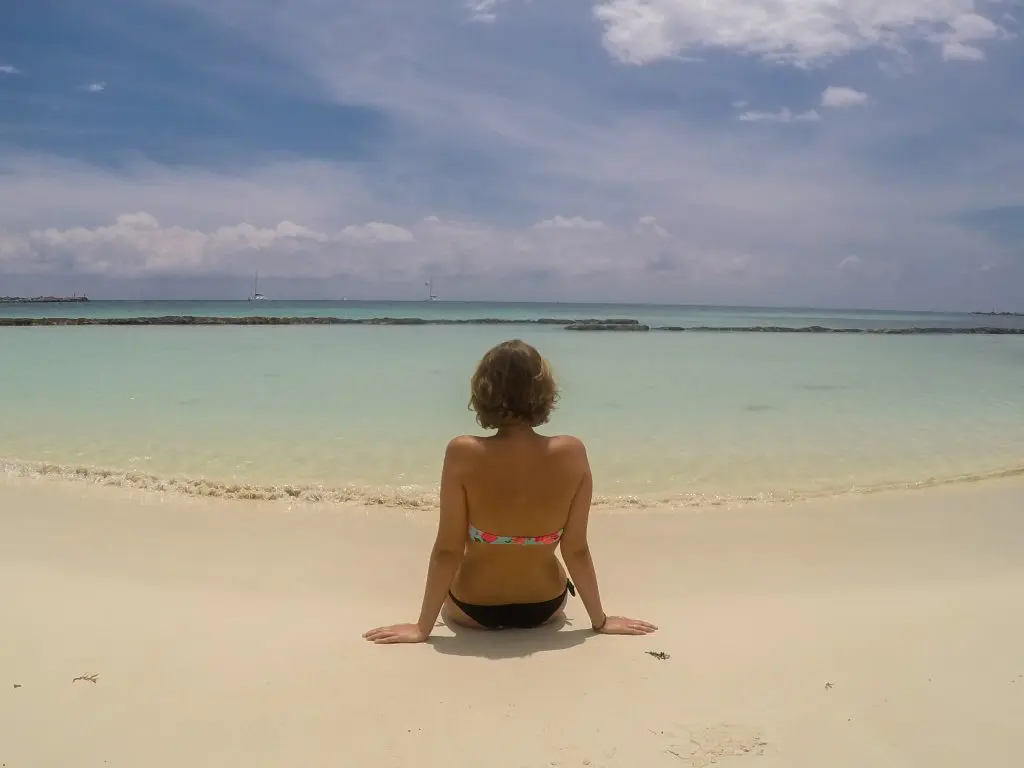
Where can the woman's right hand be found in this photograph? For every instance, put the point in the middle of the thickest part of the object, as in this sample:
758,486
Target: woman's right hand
620,625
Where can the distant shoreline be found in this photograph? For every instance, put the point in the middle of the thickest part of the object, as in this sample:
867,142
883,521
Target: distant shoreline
999,314
43,299
589,324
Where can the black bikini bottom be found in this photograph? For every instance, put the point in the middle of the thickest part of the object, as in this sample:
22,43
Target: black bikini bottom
514,615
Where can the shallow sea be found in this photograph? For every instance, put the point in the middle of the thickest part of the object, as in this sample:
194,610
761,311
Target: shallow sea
363,412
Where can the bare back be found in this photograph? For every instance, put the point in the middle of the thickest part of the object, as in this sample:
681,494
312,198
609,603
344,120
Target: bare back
519,484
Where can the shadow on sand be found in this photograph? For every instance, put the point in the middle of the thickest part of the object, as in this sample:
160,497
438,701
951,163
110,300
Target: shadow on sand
509,643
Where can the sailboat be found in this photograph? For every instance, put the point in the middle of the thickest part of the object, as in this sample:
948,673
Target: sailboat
256,295
431,296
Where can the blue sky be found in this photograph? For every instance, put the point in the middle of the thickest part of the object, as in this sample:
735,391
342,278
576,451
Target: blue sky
800,152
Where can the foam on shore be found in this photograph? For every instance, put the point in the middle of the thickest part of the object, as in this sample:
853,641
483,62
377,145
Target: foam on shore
425,497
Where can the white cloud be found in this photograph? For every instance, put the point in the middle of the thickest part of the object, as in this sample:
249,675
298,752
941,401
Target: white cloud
784,115
648,225
959,42
137,221
247,236
94,87
576,222
803,32
840,97
134,244
138,244
850,264
956,51
13,248
377,232
483,11
7,69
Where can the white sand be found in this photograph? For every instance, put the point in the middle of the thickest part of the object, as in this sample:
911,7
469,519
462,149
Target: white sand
228,634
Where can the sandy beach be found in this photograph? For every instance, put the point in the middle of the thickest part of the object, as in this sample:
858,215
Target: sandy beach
883,630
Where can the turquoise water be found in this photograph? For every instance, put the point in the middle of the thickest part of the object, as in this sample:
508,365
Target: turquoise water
363,412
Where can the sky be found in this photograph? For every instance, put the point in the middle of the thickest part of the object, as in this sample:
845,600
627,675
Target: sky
827,153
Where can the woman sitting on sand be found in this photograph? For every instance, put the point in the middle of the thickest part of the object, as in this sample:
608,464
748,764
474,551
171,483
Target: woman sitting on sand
507,501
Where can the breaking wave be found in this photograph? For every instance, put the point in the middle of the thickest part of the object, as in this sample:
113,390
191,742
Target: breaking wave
425,498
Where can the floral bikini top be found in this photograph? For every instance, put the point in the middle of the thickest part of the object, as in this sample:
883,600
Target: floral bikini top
482,537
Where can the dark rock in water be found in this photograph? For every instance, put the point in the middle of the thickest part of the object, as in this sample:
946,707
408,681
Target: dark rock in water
605,326
270,320
398,321
600,321
823,387
982,330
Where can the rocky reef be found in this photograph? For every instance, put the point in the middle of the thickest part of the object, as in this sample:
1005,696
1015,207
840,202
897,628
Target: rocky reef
612,325
607,325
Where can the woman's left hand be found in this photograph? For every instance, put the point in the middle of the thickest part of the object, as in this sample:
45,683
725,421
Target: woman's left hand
397,633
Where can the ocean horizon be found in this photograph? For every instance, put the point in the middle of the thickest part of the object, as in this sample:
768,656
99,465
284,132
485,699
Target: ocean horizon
362,413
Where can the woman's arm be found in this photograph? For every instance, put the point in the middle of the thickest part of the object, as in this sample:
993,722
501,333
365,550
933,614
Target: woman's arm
574,545
450,543
446,555
579,562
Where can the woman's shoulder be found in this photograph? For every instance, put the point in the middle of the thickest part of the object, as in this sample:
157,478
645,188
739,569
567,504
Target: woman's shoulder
464,444
467,445
567,443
